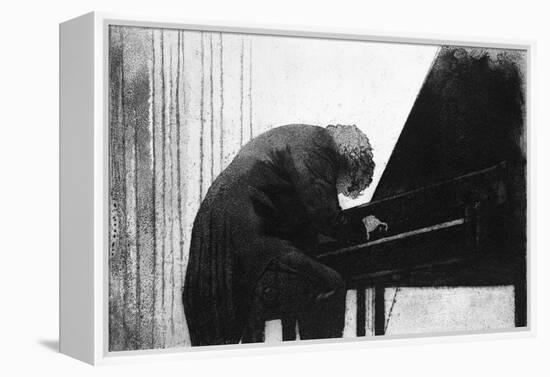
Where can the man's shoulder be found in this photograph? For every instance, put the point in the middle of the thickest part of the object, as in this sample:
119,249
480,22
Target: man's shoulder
290,138
299,133
298,128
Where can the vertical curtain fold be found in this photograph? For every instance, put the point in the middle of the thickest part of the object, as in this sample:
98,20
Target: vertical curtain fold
180,108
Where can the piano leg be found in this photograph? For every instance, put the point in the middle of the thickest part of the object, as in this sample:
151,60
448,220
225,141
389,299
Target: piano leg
520,299
254,332
379,311
361,311
289,328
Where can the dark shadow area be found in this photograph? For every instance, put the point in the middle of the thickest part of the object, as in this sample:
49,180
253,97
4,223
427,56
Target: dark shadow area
52,345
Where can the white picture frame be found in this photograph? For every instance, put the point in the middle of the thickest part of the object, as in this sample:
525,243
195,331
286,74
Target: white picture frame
84,207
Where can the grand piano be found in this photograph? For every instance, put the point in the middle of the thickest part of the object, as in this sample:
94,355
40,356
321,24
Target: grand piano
454,190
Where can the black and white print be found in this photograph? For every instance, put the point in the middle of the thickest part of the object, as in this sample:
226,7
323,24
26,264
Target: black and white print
274,189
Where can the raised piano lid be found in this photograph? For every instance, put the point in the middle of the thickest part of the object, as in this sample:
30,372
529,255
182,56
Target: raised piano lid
468,116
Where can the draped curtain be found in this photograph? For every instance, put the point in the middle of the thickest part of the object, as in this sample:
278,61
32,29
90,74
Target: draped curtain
180,107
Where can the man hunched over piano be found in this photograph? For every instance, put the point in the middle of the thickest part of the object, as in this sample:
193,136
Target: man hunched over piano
255,237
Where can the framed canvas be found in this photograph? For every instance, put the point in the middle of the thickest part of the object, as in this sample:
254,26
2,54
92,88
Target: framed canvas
236,188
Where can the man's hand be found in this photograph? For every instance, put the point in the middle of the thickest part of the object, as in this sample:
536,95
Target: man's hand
372,223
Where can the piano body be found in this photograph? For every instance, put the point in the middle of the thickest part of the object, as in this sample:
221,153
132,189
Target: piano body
453,192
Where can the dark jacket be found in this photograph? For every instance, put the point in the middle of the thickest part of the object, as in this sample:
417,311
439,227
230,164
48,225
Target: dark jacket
277,195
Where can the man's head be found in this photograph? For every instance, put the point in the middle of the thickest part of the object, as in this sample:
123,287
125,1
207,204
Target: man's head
355,155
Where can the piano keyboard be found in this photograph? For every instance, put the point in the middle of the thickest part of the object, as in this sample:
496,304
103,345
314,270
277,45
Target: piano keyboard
415,232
